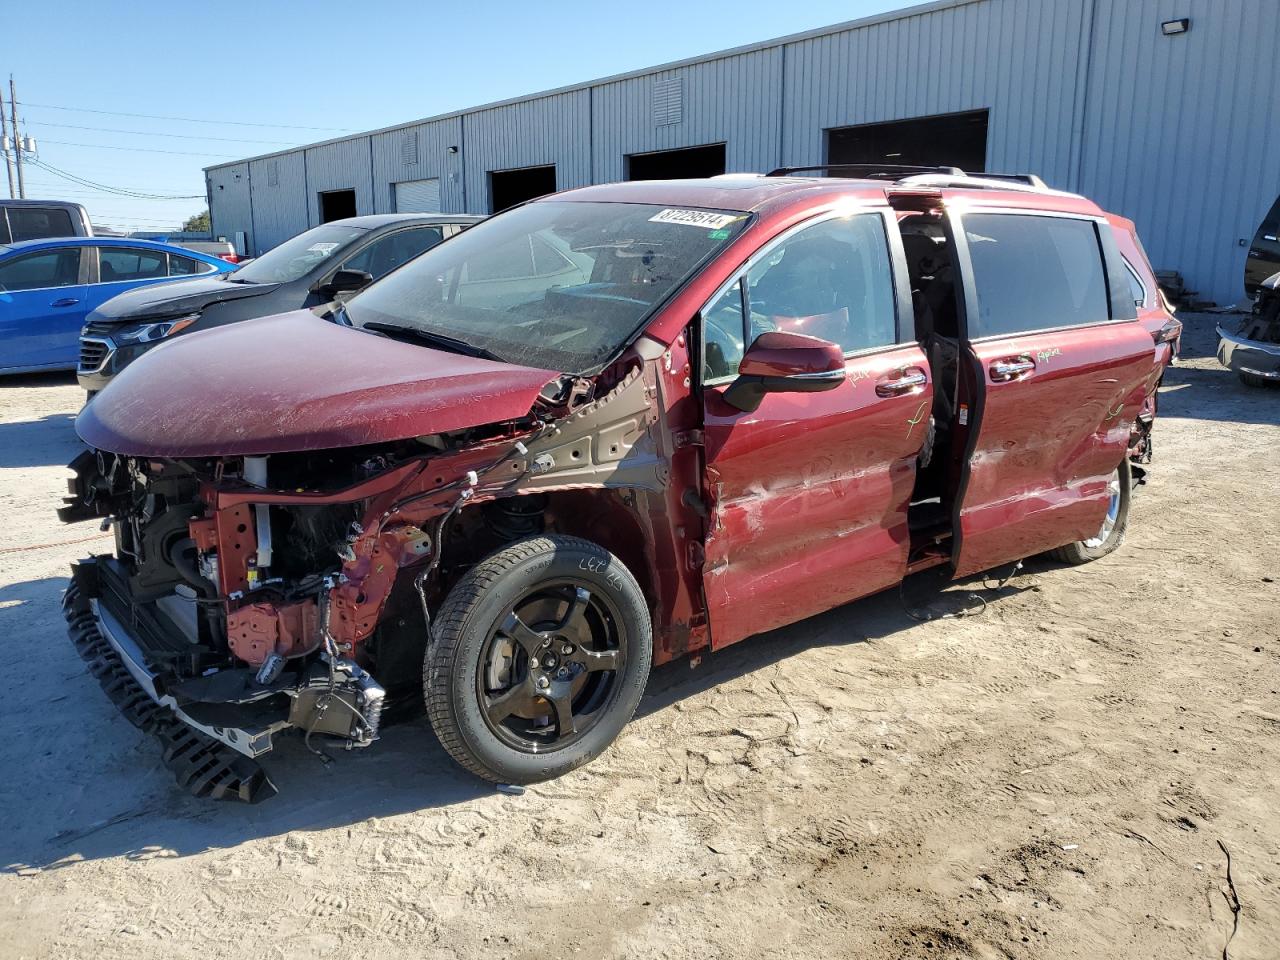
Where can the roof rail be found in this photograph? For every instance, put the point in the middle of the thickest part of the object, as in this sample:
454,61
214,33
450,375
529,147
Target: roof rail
871,171
1030,179
1013,182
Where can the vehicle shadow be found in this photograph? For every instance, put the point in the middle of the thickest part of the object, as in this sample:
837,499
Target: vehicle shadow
105,794
48,441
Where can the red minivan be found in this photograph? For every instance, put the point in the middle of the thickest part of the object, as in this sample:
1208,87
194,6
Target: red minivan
602,430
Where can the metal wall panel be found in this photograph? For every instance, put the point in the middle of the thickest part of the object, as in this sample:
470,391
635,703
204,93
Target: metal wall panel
1182,133
230,207
345,165
434,161
1178,133
279,199
547,130
1019,58
733,100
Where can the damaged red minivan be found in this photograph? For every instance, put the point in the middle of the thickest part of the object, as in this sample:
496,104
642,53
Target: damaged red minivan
600,431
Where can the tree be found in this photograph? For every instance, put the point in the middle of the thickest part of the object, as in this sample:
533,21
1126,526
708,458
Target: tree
200,223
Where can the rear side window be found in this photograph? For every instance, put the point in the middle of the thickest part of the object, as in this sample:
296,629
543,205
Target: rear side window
50,268
124,263
185,266
1034,272
36,223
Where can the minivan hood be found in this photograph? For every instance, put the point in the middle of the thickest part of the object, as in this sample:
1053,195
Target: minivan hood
294,382
175,299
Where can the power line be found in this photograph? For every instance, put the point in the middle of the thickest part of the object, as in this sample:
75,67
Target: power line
152,116
147,133
105,146
121,191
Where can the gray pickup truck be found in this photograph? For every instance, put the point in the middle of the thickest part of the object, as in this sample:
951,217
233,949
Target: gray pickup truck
41,219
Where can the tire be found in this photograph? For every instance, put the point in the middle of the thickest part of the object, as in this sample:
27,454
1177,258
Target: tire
583,616
1113,529
1253,380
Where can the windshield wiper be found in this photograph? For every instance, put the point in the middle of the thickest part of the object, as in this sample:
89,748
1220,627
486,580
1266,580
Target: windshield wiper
434,339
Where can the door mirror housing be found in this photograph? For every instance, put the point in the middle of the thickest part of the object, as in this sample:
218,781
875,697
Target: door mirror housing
346,281
781,362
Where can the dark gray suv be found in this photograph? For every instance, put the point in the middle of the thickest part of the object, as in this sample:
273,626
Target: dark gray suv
311,270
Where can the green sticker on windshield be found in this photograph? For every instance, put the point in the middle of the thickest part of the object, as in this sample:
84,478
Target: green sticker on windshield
718,235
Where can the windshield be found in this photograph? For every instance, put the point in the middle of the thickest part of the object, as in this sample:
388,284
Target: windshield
558,284
296,258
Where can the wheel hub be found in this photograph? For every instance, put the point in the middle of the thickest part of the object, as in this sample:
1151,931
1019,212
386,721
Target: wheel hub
550,668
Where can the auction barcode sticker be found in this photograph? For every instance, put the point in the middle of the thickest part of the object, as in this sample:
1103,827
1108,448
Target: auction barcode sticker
695,218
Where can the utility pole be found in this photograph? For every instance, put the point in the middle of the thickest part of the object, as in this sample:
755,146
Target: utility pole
8,157
17,144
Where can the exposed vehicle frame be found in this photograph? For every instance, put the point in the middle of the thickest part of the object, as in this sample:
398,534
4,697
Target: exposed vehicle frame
537,539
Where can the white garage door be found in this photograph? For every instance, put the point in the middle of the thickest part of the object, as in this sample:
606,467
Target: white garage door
418,196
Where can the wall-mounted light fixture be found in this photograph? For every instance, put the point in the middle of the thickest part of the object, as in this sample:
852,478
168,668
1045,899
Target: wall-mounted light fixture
1171,28
453,149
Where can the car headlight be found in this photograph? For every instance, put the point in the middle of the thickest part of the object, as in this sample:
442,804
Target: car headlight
135,333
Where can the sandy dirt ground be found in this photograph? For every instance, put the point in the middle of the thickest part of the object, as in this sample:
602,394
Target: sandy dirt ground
1061,776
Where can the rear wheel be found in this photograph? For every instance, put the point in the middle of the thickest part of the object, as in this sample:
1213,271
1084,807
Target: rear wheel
1111,534
539,657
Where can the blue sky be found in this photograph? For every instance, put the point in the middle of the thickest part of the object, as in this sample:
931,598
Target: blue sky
330,67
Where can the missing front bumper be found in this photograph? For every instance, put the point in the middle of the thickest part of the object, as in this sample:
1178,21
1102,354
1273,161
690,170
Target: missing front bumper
204,760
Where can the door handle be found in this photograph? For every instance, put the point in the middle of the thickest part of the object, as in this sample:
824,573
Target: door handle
908,380
1267,236
65,302
1011,368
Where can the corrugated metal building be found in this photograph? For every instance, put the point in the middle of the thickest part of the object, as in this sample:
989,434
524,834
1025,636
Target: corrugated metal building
1177,131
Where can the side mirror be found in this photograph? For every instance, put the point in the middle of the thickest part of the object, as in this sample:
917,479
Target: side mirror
780,362
344,281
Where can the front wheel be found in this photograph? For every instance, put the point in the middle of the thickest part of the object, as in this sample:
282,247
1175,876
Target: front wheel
539,656
1111,534
1255,380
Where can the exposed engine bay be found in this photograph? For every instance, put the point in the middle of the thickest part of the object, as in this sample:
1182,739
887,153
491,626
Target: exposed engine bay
249,599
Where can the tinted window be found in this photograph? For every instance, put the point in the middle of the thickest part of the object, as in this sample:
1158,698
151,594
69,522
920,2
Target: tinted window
1035,273
51,268
394,250
185,266
832,281
125,263
723,335
36,223
1136,289
4,227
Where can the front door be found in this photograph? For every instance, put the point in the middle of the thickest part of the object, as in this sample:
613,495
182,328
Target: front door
42,307
1057,372
809,492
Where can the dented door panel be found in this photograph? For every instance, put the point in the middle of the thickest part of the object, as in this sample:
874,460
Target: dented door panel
1048,438
810,495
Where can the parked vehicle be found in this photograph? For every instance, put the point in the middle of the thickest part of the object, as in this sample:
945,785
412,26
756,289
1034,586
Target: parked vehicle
223,249
594,433
48,287
41,219
1264,253
1251,347
309,271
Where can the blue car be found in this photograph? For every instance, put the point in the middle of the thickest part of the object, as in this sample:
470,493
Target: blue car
48,287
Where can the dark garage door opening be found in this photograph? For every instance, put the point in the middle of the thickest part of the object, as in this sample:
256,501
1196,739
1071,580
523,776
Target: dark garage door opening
952,140
337,205
674,164
509,187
